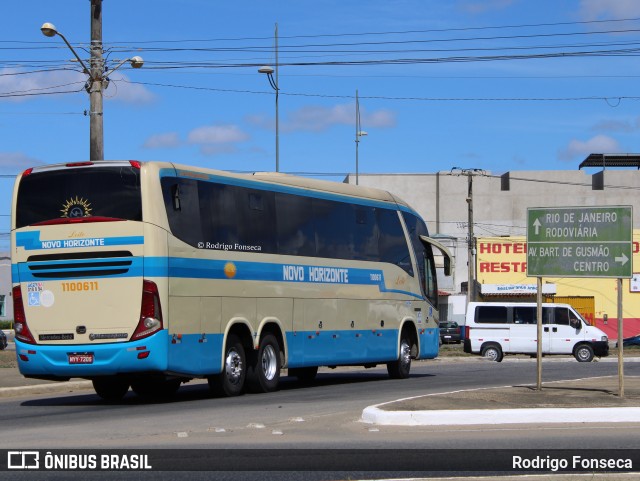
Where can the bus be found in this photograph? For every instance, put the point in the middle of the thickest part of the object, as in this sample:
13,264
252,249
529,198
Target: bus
146,275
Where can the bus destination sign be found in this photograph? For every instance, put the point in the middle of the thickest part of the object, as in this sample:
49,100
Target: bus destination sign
580,242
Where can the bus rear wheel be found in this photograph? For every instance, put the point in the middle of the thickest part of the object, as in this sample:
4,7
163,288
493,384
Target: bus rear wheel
230,382
305,375
155,388
111,389
263,373
399,369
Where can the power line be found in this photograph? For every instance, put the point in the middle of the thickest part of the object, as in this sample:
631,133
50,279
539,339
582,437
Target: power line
384,97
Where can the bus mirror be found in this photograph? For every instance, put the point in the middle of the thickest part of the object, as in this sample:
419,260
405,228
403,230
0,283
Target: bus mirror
448,259
447,266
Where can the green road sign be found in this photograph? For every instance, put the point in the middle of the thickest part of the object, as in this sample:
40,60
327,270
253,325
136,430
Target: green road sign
580,241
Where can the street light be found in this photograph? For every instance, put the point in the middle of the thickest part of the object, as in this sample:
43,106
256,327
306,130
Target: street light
97,78
268,71
49,30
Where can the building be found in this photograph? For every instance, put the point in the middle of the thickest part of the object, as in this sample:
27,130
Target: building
499,206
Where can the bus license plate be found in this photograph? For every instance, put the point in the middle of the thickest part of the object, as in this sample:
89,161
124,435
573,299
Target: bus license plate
83,358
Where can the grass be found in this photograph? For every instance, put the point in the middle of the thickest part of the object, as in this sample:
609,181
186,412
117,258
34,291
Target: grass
8,359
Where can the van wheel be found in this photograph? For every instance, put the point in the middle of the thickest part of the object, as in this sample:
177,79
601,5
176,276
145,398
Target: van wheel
399,369
263,373
493,353
583,353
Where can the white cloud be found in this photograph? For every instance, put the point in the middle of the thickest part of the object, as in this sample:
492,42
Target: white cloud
612,125
167,140
16,86
217,139
607,9
317,118
121,90
217,134
15,162
597,144
19,87
477,7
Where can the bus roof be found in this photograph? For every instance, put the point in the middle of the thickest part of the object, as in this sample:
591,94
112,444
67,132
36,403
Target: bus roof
279,178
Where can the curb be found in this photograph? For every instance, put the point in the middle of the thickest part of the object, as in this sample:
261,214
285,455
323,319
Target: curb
68,386
374,415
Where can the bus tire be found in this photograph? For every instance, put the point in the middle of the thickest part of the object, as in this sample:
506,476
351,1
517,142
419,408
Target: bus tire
492,352
583,353
305,375
263,372
230,382
156,388
110,388
399,369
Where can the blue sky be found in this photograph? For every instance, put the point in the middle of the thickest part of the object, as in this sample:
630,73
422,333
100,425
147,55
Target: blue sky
438,84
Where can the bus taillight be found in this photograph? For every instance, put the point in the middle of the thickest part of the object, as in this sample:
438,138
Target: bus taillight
150,312
20,319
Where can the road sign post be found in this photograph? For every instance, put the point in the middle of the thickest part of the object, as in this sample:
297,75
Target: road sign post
581,242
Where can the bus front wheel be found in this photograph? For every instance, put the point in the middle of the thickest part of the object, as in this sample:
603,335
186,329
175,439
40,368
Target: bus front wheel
399,369
111,389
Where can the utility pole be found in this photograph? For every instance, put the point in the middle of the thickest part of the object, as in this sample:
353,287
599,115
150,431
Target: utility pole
471,240
471,286
96,127
98,76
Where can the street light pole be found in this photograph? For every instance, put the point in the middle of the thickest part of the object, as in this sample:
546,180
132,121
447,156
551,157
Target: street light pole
97,77
273,81
359,133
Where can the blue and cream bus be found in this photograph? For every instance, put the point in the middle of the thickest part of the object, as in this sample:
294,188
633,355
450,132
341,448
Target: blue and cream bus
147,275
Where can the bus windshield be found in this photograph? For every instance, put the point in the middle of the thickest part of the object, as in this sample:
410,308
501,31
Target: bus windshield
95,192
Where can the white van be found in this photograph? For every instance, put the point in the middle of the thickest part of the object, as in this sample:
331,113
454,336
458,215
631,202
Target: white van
496,328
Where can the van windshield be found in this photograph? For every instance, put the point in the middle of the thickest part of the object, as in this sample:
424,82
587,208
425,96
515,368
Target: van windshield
93,193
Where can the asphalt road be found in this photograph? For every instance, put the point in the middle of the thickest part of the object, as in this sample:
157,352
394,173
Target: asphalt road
325,415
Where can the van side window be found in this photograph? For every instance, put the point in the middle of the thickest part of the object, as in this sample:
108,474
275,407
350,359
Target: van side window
562,316
491,315
524,315
574,320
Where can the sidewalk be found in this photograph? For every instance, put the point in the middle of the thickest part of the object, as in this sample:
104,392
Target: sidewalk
592,400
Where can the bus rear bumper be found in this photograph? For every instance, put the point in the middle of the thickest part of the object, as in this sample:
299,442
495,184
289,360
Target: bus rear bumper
91,360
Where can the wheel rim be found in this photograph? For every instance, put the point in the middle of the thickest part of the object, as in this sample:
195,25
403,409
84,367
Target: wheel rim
583,354
269,362
491,354
405,353
233,366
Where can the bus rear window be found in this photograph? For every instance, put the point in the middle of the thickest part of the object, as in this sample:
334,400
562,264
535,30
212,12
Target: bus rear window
92,192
